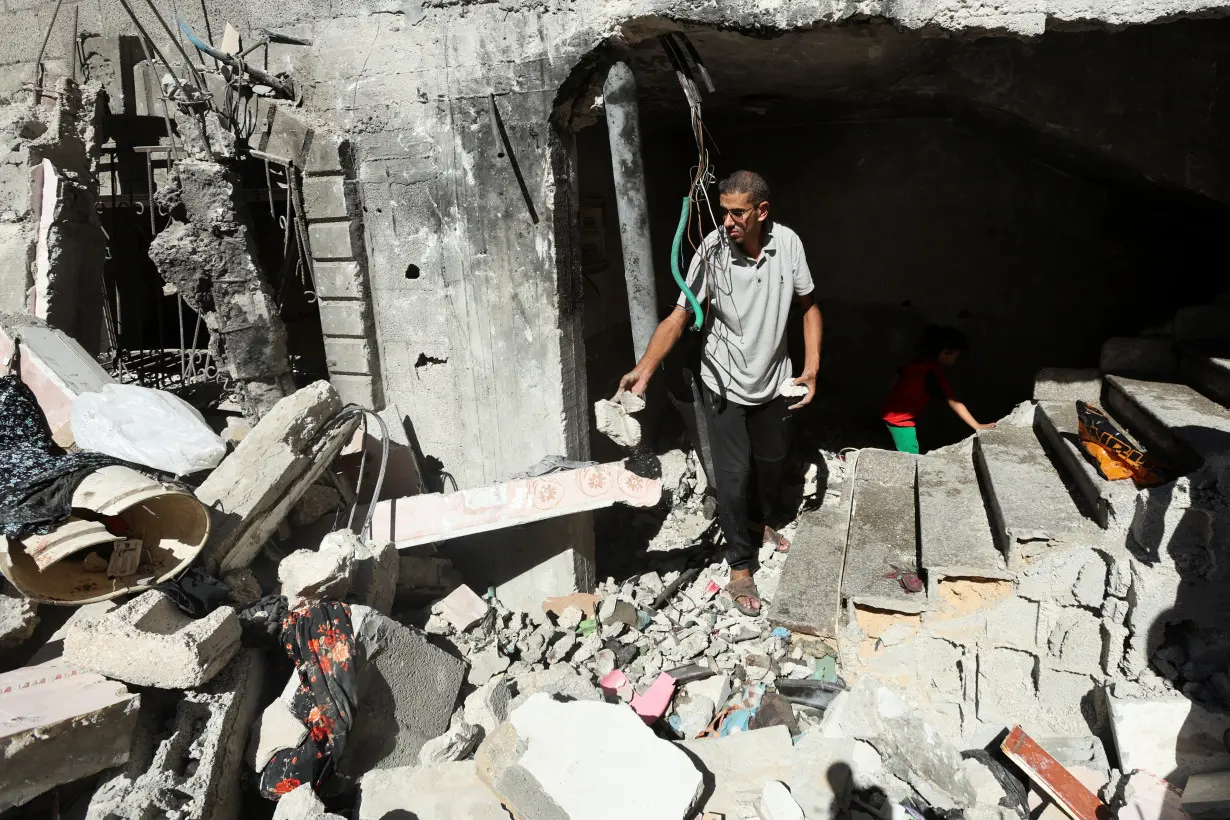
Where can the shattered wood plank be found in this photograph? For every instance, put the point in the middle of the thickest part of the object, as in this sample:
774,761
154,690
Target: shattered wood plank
426,519
1049,774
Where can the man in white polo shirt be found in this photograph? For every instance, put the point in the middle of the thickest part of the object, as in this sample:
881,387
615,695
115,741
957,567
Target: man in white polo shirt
745,276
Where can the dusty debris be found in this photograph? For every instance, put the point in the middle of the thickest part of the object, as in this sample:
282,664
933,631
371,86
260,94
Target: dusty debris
302,804
150,642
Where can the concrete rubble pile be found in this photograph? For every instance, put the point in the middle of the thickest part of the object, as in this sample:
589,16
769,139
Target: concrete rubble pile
292,639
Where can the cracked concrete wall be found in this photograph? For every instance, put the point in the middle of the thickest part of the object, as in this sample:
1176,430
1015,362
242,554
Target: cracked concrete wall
477,306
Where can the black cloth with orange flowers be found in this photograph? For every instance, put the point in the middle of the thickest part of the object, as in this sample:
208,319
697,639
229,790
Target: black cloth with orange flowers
319,638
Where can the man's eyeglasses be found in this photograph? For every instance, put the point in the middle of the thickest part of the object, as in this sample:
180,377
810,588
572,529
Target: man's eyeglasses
736,213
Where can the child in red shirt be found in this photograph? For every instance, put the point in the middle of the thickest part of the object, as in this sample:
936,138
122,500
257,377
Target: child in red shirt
922,380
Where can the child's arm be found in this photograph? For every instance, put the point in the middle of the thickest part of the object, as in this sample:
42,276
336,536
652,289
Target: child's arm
964,414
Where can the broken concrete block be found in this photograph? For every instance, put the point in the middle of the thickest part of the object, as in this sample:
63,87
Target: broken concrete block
408,689
462,608
149,641
558,681
276,729
59,724
302,804
345,568
487,706
1170,736
531,762
716,689
444,791
691,714
739,764
912,749
426,575
485,665
458,743
1207,795
18,618
187,751
254,488
775,803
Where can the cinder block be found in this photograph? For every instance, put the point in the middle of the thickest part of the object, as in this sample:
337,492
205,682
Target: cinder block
325,198
360,390
339,280
325,155
348,356
408,689
343,318
188,764
334,240
289,137
150,642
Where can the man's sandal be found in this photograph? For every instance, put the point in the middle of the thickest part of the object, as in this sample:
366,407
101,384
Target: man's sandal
771,536
744,588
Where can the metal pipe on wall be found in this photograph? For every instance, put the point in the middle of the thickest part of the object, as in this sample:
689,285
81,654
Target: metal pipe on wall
624,126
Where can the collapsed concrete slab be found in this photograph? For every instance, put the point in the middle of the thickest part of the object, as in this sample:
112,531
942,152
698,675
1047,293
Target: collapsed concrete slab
53,365
737,766
59,724
533,763
187,752
149,641
443,791
345,567
254,488
407,691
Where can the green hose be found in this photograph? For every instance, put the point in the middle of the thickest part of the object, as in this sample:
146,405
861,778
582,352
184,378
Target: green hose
676,248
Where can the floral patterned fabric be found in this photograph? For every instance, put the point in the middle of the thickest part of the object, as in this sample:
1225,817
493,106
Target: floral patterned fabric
37,478
319,638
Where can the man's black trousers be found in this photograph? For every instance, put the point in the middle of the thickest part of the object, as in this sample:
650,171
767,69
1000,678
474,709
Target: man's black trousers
749,445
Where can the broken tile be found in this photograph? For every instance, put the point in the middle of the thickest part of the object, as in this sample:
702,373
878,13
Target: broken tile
462,608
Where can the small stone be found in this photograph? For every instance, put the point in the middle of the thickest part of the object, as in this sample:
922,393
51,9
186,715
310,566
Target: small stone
485,665
741,632
692,715
612,631
487,706
18,619
245,589
533,648
570,618
604,662
458,743
560,649
436,625
652,582
692,646
587,649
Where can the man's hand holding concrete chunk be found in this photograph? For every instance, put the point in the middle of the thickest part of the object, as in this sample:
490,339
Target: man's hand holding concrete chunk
746,272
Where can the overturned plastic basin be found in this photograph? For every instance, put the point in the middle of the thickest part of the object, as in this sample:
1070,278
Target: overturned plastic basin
56,569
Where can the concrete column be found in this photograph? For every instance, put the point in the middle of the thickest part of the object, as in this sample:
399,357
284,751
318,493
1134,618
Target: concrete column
624,126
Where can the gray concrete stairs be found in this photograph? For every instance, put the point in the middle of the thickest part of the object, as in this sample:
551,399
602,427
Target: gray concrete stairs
883,532
984,508
1056,424
808,597
1205,371
1031,507
1175,422
954,534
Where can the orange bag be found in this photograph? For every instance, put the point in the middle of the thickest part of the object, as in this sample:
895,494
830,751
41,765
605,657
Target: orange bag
1112,453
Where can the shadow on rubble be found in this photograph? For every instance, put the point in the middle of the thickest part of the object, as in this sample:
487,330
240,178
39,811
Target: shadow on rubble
1180,534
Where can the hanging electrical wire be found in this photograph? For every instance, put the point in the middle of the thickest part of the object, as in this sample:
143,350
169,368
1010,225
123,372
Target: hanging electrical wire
701,176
